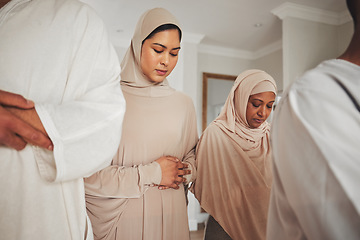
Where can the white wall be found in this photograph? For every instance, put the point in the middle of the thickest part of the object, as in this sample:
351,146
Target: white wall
306,44
345,32
273,65
221,64
120,51
310,36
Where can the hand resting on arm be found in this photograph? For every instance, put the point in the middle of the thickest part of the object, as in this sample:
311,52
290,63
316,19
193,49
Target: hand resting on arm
172,170
20,124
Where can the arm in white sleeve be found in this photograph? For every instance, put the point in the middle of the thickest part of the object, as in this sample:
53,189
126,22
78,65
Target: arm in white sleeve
312,147
85,126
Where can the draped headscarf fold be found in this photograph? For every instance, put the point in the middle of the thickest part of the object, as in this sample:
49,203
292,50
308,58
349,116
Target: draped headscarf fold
233,115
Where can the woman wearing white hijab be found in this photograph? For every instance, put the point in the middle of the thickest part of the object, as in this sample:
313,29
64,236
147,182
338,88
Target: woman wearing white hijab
233,161
124,200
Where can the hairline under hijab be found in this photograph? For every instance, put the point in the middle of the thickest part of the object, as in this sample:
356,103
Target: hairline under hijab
161,28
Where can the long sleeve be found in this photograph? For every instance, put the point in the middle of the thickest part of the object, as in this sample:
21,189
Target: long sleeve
85,125
123,182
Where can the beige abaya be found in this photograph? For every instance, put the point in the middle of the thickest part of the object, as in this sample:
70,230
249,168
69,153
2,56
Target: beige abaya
122,201
233,163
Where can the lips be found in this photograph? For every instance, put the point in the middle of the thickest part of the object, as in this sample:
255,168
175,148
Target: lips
258,120
161,72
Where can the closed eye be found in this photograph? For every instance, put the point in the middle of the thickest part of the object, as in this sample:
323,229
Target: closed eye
270,104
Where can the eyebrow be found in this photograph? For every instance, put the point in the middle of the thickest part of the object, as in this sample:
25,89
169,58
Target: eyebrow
262,100
159,44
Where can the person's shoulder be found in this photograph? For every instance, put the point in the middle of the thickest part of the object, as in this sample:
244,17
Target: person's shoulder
317,75
69,4
81,16
182,97
212,131
77,3
76,8
318,79
213,137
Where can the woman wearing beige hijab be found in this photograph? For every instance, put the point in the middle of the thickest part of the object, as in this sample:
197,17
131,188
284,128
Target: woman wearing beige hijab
125,200
233,161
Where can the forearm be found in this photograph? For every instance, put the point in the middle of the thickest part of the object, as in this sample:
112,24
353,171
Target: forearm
123,182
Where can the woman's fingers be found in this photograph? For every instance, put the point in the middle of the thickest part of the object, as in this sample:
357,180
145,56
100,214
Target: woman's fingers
161,187
173,172
184,172
174,159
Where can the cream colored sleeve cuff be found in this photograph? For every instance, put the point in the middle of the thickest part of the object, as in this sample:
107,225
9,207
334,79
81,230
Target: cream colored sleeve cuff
150,173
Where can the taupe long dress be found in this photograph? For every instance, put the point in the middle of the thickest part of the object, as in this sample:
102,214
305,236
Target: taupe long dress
122,201
234,164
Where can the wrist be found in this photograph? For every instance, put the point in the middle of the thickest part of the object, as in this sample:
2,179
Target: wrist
150,173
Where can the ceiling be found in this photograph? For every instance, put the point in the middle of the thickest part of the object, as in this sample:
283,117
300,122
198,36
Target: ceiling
223,23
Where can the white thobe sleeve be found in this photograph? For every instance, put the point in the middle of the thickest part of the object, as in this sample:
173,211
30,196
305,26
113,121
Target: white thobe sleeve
85,127
312,138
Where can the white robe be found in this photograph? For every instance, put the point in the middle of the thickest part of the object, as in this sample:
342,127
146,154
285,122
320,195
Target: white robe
57,53
316,146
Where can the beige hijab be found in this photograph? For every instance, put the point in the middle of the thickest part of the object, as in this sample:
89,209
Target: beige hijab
132,78
233,163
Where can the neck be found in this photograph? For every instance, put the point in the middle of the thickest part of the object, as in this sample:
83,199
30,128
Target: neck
352,53
3,2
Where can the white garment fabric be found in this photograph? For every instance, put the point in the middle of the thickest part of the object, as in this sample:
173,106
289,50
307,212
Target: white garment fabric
57,53
316,157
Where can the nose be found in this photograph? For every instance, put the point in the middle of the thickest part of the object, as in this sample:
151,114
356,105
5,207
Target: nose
262,111
165,60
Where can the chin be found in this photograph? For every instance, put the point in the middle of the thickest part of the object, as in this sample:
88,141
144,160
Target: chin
256,125
156,79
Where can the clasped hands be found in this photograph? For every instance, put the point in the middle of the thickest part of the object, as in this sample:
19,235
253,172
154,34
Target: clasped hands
173,172
19,123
